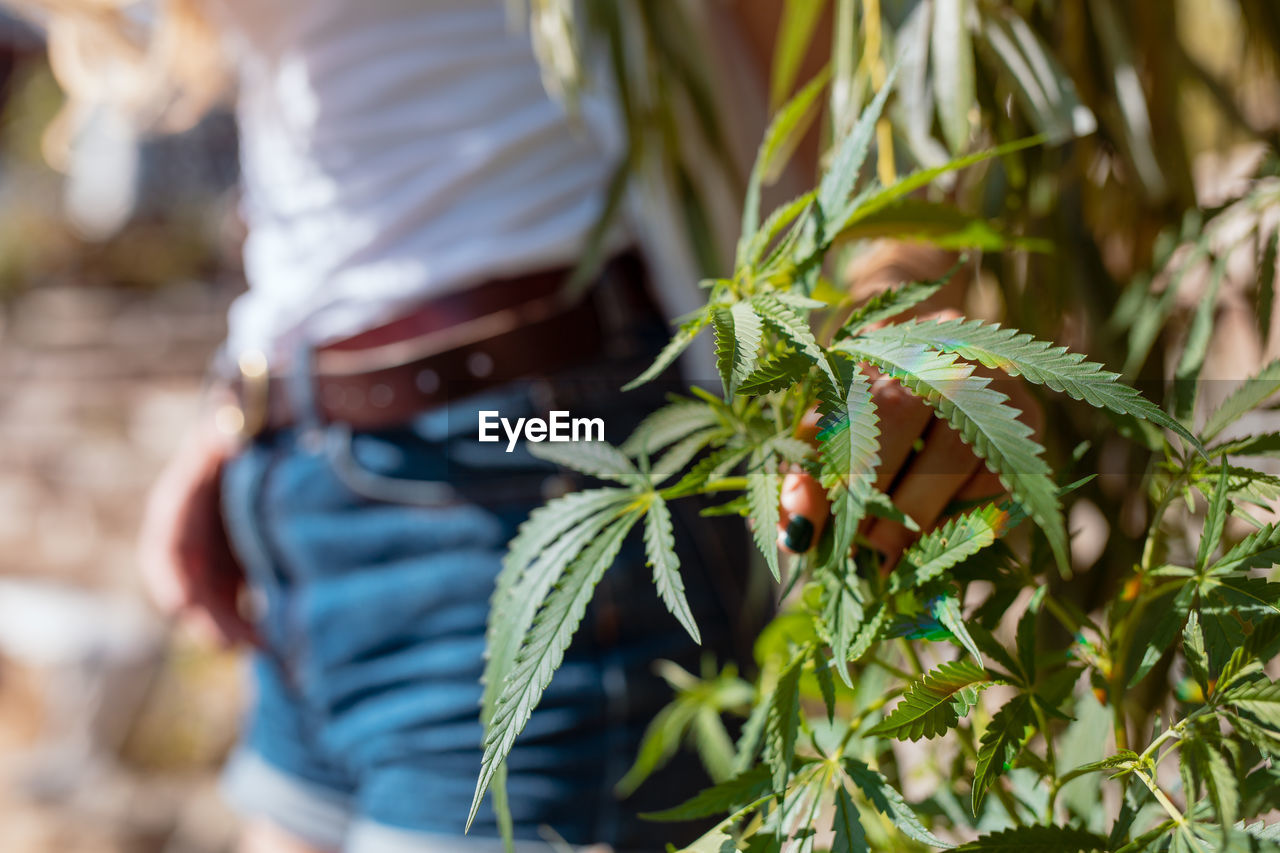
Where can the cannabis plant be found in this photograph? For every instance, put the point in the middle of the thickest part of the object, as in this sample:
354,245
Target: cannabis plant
1045,743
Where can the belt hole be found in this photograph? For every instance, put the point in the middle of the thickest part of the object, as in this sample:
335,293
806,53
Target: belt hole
334,396
479,364
428,381
380,396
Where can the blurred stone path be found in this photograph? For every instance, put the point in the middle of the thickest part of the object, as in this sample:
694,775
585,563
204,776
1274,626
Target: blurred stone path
101,753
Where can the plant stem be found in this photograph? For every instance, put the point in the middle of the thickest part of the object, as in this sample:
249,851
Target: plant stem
885,166
912,656
1162,798
1050,756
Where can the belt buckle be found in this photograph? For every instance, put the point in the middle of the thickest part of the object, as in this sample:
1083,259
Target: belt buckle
246,416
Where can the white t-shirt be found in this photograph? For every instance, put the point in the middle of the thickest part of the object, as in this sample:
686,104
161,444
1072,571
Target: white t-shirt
394,150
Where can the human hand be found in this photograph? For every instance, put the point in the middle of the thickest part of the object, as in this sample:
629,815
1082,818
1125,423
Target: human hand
186,561
924,467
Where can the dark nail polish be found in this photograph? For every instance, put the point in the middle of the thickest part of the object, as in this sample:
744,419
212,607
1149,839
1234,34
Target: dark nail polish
799,534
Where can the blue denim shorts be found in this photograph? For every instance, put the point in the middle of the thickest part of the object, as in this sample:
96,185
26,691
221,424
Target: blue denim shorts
372,556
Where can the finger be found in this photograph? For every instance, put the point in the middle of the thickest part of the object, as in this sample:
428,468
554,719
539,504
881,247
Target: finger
904,418
804,510
808,428
937,473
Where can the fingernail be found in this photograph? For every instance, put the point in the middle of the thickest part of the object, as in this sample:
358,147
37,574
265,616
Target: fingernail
799,534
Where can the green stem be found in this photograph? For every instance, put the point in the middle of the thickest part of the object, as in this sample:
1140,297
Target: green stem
1064,617
1178,817
912,656
1049,755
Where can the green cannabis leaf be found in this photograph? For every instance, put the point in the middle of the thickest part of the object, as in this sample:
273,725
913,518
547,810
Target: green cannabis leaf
862,652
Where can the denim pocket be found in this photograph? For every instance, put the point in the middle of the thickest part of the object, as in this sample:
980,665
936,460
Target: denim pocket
379,467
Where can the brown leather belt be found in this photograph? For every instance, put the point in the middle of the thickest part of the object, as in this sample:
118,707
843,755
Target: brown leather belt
449,348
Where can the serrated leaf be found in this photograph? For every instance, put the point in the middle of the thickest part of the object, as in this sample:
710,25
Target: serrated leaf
849,438
543,649
714,465
1037,839
763,493
1214,521
1260,698
841,616
944,547
775,374
929,707
1266,444
870,203
953,80
593,458
1193,651
679,343
668,425
826,685
795,329
868,632
889,303
1125,758
1000,744
660,548
1260,549
741,790
848,447
1239,595
738,333
747,329
782,723
1246,398
1156,632
1039,362
890,803
851,152
548,523
547,542
946,609
1196,345
1266,740
790,214
1209,767
1240,663
846,827
680,454
783,133
726,349
983,418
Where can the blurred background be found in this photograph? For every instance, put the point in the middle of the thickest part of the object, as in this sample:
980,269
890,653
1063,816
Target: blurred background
115,277
117,269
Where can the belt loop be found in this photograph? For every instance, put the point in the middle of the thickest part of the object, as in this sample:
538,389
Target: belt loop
300,386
